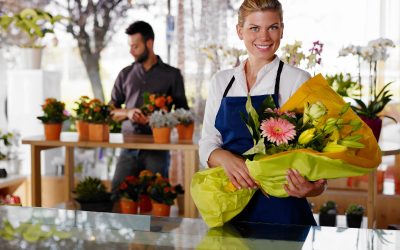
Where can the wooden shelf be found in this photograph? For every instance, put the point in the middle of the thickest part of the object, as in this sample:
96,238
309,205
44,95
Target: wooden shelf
11,181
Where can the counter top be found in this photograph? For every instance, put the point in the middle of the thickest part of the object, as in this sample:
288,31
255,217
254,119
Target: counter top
36,228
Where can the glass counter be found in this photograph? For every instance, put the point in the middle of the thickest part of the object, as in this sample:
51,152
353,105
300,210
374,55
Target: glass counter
41,228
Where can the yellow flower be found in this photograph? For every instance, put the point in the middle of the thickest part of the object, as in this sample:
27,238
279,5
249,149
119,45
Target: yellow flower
306,136
332,147
314,111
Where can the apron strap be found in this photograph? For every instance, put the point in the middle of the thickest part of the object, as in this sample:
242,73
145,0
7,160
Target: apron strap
277,81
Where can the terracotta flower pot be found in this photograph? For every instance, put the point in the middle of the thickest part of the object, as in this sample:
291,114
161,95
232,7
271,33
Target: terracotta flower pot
185,132
128,206
161,135
52,131
160,209
83,130
98,132
145,204
374,124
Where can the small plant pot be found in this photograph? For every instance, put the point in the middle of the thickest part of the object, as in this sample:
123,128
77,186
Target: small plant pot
374,124
185,132
160,209
83,130
327,220
52,131
128,206
161,135
354,220
98,132
145,204
103,206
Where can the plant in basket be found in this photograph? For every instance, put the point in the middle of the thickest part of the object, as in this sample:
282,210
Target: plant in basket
99,116
146,178
153,102
163,195
82,111
129,193
91,194
185,126
53,117
161,123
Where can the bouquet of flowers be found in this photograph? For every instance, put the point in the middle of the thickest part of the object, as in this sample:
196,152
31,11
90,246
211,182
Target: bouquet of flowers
317,135
99,112
54,111
82,108
154,102
130,188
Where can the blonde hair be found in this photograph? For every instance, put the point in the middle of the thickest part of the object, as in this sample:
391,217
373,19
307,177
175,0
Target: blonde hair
250,6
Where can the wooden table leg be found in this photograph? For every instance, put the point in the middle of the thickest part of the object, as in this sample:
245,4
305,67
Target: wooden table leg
371,202
191,161
36,177
69,172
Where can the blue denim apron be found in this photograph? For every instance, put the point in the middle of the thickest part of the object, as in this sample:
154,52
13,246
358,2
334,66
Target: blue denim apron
237,139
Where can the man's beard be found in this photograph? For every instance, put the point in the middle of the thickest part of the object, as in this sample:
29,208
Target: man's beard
144,56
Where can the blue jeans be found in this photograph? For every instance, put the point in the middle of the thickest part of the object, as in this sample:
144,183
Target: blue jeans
133,161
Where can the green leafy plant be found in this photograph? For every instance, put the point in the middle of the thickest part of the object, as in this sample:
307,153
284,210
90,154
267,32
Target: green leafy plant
35,23
328,208
161,190
82,108
91,190
355,209
375,105
54,111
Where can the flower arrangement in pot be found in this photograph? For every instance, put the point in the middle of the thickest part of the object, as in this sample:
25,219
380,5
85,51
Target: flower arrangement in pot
129,192
82,117
185,127
327,214
163,194
354,215
368,107
154,102
91,194
161,123
99,116
53,117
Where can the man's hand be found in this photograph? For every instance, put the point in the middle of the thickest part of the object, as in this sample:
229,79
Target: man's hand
119,114
137,116
299,187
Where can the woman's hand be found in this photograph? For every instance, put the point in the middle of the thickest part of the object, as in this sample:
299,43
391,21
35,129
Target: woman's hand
299,187
234,166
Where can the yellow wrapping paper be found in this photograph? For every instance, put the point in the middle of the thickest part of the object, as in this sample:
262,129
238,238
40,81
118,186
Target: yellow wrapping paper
218,202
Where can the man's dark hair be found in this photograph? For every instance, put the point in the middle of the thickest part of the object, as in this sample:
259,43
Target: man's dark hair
141,27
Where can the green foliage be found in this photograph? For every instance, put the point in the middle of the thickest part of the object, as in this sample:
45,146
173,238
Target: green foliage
35,23
376,105
161,190
355,209
343,85
99,112
328,208
91,190
82,108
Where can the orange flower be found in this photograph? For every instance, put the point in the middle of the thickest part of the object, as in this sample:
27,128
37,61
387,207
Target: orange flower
169,99
123,186
146,173
167,189
152,98
160,102
97,109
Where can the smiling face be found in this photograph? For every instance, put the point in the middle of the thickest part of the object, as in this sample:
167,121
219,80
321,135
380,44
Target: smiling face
261,33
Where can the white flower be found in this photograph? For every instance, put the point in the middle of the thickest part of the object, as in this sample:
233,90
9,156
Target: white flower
160,118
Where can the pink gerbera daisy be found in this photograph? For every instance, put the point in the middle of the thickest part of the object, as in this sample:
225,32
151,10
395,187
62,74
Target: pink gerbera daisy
278,130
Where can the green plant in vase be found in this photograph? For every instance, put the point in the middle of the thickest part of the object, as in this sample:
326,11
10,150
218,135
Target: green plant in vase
92,195
354,215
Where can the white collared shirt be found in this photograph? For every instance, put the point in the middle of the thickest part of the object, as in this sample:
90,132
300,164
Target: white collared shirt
290,81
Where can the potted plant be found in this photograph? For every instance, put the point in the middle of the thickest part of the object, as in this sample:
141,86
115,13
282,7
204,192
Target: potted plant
327,214
163,194
91,194
54,115
185,127
146,178
35,24
354,215
82,117
98,118
129,192
161,123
